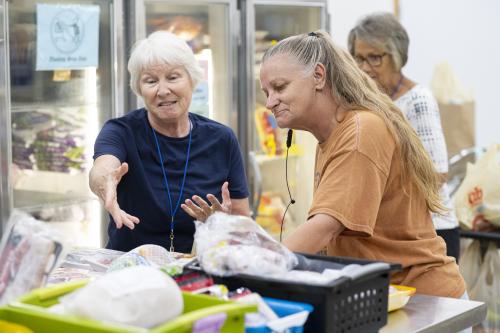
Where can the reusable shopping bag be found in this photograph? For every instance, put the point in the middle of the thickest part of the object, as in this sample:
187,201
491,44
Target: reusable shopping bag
478,197
487,288
470,263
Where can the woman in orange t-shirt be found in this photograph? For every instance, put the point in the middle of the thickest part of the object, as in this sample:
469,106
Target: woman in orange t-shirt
374,183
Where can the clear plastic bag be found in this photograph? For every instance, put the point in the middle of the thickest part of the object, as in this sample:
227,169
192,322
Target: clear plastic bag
30,249
229,245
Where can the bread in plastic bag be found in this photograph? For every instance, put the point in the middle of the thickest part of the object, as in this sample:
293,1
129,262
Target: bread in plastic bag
229,245
29,250
139,296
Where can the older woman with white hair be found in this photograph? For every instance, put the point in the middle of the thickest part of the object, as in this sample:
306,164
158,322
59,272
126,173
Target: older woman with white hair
379,44
157,159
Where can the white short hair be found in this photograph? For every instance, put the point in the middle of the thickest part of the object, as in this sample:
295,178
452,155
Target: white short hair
162,47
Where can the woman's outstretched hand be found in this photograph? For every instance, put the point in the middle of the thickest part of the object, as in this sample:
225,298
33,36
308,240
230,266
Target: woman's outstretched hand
200,210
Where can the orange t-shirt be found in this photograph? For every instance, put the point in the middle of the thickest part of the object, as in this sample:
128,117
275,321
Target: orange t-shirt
358,181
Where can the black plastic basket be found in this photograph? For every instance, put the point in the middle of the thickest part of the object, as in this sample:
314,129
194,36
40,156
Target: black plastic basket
357,304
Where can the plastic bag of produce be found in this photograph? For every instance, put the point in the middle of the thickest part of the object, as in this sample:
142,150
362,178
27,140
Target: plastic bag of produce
229,245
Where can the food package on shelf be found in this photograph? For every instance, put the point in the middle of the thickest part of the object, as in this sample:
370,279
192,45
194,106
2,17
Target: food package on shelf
270,136
270,213
49,139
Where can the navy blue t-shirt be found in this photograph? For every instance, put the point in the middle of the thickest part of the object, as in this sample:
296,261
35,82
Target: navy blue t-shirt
215,157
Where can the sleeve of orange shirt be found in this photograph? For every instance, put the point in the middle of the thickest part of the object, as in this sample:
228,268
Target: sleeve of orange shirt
350,189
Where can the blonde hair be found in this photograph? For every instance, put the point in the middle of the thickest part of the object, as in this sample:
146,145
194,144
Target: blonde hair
355,90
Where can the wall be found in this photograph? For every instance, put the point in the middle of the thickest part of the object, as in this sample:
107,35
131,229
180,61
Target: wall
466,33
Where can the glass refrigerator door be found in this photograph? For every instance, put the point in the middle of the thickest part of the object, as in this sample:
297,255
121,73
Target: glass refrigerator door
209,27
61,92
273,21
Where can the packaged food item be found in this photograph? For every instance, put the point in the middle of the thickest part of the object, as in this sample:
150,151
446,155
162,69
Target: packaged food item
229,245
399,296
30,249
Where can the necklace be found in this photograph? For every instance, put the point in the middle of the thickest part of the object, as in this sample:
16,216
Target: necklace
173,210
395,91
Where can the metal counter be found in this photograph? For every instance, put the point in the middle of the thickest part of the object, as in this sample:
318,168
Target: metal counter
429,314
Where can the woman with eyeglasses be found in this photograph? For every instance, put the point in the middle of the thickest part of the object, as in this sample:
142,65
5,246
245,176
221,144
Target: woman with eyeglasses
379,44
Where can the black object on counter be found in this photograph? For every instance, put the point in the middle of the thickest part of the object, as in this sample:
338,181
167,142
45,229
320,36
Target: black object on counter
348,304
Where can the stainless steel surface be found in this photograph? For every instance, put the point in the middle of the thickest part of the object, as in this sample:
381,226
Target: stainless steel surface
118,53
429,314
5,155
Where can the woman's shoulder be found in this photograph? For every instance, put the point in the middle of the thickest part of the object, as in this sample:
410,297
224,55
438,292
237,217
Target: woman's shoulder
361,128
369,122
209,127
364,132
130,119
417,94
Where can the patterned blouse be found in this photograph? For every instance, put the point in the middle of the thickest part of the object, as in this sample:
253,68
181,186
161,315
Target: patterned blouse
421,110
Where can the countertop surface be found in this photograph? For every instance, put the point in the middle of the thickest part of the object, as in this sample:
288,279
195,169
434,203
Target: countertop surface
435,314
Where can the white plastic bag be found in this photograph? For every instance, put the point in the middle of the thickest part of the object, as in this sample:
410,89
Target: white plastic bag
487,288
139,296
229,244
478,197
470,264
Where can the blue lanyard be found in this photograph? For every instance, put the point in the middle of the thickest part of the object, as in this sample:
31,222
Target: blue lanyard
173,210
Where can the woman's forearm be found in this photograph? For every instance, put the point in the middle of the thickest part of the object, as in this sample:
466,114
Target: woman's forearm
103,167
314,235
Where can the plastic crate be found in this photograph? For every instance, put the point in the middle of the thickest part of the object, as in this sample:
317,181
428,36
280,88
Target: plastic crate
199,311
345,305
283,309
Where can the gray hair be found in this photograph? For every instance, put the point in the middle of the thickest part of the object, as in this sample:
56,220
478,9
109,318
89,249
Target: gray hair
382,30
162,47
355,90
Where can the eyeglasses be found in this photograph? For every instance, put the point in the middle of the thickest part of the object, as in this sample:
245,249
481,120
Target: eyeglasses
373,60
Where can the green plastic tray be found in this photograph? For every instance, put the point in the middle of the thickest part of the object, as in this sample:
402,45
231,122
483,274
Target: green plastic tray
30,311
